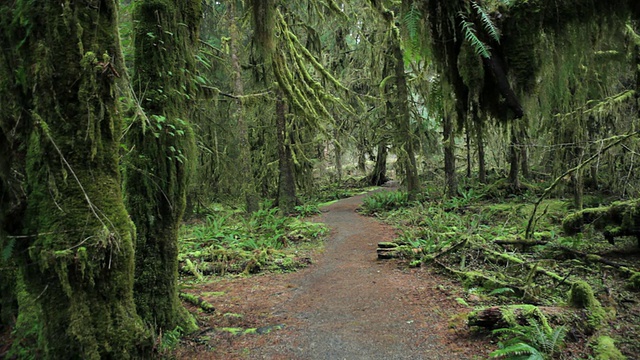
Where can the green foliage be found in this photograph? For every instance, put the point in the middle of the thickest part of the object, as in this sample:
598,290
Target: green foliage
230,242
470,34
169,340
533,341
385,201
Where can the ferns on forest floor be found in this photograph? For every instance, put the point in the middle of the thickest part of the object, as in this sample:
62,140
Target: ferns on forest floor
227,242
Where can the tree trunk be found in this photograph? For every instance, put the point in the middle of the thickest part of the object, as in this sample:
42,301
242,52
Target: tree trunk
403,119
514,160
247,181
287,198
524,152
78,262
337,149
379,174
451,181
468,143
162,155
482,171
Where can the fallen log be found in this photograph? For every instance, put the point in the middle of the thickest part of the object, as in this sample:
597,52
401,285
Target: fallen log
475,278
497,317
621,218
198,301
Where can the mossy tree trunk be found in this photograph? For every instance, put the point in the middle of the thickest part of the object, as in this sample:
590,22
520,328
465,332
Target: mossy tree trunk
77,255
287,197
514,158
403,119
479,130
378,175
12,139
449,141
162,152
246,177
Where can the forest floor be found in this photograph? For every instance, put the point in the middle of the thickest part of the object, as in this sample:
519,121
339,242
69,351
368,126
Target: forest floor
346,305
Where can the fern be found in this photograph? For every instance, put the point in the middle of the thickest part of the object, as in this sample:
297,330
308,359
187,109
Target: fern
538,340
487,23
469,31
411,22
519,351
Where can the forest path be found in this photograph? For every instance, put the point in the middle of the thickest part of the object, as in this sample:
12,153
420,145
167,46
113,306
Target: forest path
348,305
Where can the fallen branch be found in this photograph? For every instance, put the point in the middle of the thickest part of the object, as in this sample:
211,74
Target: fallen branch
198,301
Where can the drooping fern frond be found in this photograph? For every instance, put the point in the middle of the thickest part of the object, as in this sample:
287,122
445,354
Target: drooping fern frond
469,32
411,21
487,23
519,351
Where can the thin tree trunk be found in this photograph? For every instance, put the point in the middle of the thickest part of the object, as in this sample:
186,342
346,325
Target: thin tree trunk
482,172
337,149
287,198
524,152
451,181
162,154
403,119
78,260
247,181
514,161
468,144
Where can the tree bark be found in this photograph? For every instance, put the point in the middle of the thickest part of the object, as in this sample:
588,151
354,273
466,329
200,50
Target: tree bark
451,181
78,258
287,198
378,175
482,171
247,181
403,119
514,159
162,155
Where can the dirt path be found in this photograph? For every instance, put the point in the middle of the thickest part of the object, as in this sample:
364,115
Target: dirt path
348,305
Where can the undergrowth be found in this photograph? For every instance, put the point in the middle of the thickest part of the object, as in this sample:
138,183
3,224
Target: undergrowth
227,242
480,240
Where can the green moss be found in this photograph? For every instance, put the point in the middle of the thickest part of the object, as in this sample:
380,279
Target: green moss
581,296
605,349
79,268
162,156
634,281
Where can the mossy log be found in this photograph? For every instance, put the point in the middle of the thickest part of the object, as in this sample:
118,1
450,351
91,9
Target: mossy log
389,250
623,268
475,278
495,256
622,218
198,301
497,317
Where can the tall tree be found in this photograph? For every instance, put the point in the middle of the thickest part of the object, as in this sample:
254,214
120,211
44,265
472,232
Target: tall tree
162,152
76,255
398,104
246,177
